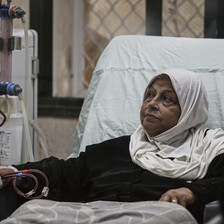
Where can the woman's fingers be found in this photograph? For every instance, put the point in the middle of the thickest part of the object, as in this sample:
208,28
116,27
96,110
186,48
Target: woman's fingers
183,202
5,182
166,197
182,196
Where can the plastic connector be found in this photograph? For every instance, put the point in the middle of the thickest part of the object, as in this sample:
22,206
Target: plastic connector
10,89
19,12
30,193
45,191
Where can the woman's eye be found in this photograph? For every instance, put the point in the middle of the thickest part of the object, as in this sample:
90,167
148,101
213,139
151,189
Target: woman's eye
150,94
168,99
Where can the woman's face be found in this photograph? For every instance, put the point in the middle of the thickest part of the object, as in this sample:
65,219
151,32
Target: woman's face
160,110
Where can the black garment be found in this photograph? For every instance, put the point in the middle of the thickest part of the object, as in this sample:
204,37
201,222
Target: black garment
106,172
9,202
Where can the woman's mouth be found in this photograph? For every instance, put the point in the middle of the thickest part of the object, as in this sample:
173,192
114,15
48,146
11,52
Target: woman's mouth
151,116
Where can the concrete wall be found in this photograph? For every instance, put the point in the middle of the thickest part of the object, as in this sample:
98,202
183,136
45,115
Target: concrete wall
59,133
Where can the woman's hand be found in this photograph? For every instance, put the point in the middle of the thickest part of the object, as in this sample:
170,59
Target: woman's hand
6,181
182,196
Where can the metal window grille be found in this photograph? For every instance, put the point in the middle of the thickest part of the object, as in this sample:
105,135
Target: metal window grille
104,20
183,18
107,19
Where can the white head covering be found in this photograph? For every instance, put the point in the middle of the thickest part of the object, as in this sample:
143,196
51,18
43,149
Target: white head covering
191,151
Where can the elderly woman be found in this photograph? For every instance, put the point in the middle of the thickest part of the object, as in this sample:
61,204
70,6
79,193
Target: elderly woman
170,157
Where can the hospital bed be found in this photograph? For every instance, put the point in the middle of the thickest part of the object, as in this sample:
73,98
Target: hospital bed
111,109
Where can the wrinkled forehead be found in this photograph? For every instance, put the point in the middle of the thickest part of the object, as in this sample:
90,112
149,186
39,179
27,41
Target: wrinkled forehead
185,83
160,77
191,94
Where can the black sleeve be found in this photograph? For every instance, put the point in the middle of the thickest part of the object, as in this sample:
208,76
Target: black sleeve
64,176
208,188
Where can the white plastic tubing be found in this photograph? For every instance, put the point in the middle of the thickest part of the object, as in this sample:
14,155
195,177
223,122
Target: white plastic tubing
33,124
29,152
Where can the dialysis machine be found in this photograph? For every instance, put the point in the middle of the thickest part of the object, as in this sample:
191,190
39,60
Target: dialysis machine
19,66
18,88
18,100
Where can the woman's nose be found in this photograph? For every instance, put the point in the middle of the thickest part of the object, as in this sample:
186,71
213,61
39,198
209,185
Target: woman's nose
153,104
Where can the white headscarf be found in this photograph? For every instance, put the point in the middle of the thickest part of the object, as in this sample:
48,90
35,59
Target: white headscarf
186,141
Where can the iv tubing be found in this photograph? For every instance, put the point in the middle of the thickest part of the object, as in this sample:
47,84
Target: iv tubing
26,129
9,108
42,138
6,118
27,173
26,59
3,122
37,129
